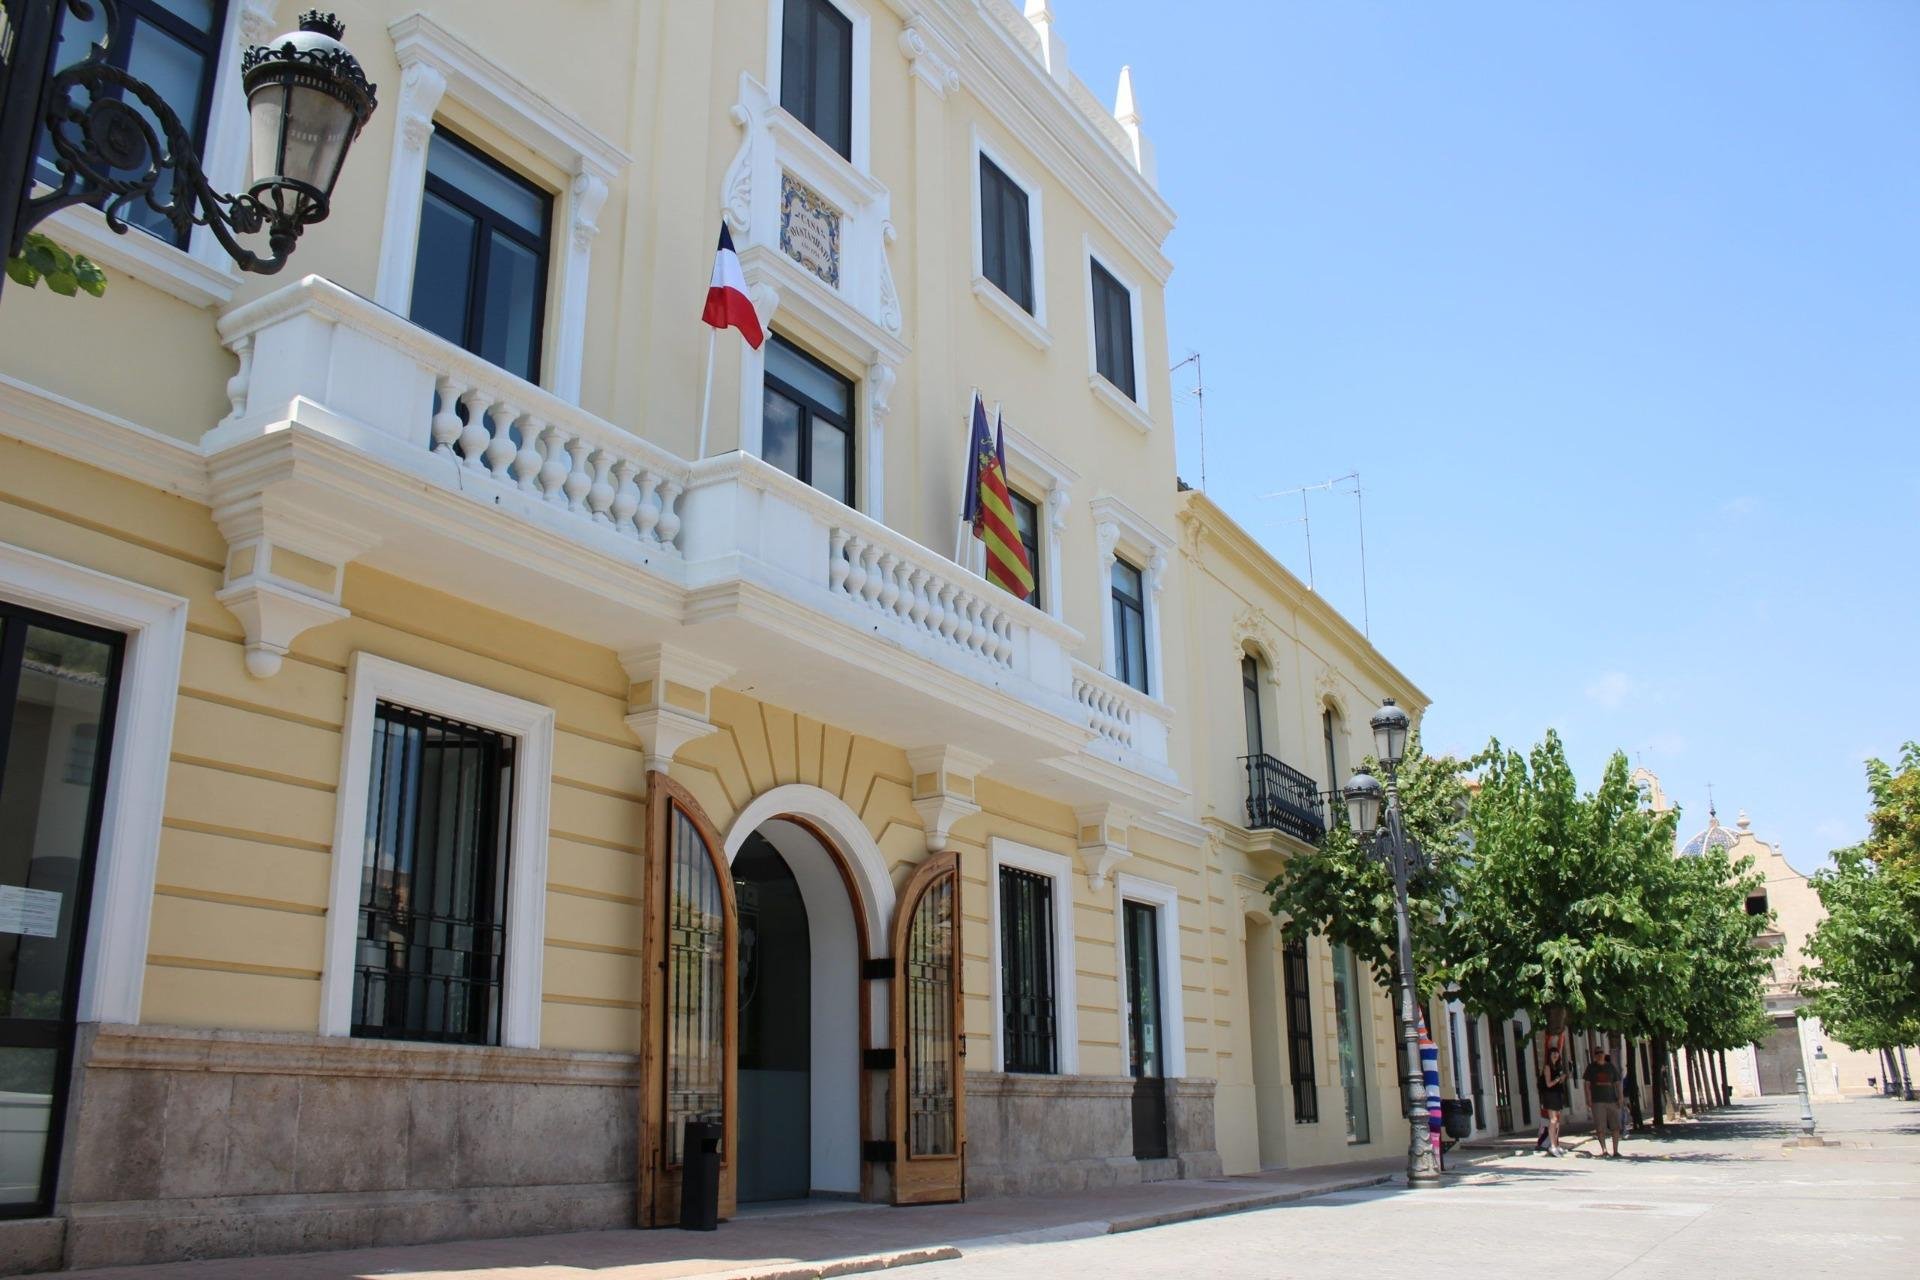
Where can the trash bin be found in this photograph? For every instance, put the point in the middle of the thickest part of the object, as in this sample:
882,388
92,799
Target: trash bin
1458,1115
700,1176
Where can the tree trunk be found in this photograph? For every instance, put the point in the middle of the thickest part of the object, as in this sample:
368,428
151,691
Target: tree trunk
1659,1083
1726,1089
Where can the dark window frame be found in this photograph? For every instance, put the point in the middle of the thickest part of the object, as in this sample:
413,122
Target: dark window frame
1008,263
492,826
1029,973
1112,352
800,73
199,120
812,410
488,222
1250,704
1026,507
1129,610
1329,736
1298,987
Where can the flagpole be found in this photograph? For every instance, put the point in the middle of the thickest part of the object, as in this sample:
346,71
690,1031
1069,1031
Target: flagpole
960,535
706,396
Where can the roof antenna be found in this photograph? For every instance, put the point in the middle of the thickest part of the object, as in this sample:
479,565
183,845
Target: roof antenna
1360,510
1199,394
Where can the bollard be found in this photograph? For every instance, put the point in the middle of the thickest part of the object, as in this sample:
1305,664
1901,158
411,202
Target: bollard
1806,1102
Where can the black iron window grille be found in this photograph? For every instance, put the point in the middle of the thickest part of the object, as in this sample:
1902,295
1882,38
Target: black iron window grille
1299,993
816,71
1281,798
173,46
1521,1046
696,986
1027,972
1474,1069
1006,237
1113,330
1502,1080
930,972
433,890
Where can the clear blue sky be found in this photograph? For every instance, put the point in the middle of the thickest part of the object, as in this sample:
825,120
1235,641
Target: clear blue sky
1616,308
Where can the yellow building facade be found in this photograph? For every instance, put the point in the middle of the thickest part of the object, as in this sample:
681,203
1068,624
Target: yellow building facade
453,778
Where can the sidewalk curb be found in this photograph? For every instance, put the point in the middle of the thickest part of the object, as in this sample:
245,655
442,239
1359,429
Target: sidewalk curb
858,1265
1261,1200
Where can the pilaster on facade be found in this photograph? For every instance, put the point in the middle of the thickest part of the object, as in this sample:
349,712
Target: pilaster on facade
1102,840
669,700
944,779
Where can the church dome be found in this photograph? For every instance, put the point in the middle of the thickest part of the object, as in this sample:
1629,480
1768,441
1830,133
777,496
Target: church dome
1714,837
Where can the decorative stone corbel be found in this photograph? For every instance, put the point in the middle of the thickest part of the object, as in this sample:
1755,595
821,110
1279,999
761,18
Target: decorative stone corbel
1057,501
944,778
932,66
889,296
285,569
669,700
736,188
1102,841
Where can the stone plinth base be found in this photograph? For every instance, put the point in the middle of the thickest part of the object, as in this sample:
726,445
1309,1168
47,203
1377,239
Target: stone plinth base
31,1244
1028,1134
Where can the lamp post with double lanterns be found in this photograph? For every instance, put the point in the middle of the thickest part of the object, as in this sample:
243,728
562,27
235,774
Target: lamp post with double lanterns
1366,799
99,135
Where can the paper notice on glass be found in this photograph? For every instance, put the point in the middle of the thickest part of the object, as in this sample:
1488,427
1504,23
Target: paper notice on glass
34,912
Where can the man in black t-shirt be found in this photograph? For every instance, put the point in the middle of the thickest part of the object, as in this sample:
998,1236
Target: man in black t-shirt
1603,1099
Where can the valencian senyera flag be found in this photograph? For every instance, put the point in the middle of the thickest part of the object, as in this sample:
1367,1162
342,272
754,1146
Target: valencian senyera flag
988,508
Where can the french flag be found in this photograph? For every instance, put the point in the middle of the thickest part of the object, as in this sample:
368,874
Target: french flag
728,306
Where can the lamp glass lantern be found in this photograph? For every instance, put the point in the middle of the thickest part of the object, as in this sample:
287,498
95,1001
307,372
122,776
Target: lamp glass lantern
1364,795
307,99
1390,734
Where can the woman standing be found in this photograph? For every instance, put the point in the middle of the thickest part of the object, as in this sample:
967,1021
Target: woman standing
1553,1094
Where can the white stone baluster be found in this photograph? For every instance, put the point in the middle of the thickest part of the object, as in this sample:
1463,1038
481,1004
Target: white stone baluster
527,463
476,436
600,495
646,517
669,526
889,585
242,377
579,477
944,619
558,466
837,566
856,565
962,616
446,420
626,497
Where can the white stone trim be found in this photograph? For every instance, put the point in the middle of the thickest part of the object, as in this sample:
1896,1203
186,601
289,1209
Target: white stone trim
1031,327
94,438
1119,530
372,679
436,65
838,820
1057,867
113,967
860,78
1049,482
1133,408
1166,899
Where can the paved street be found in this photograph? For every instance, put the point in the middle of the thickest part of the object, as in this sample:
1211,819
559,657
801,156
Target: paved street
1724,1199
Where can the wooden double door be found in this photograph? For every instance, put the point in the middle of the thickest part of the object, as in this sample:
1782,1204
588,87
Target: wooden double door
911,1091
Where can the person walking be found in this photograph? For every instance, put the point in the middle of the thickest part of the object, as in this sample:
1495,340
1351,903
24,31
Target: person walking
1553,1095
1603,1100
1630,1088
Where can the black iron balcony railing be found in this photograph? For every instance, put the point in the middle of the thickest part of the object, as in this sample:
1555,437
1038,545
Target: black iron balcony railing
1281,798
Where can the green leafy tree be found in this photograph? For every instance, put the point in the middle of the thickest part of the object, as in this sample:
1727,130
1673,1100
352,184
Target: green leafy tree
67,274
1550,912
1341,891
1864,982
1721,1000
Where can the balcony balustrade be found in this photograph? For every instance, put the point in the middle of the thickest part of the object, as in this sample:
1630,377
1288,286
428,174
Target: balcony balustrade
1281,798
432,464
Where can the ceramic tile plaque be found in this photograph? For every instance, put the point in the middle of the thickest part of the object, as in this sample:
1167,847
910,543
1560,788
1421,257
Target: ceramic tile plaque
809,229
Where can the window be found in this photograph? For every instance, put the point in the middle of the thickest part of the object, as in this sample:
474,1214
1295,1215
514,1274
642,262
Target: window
1113,330
1334,781
816,71
433,886
1306,1093
1250,703
1006,244
1029,1034
1757,904
1350,1016
173,45
480,271
1129,626
1026,518
807,420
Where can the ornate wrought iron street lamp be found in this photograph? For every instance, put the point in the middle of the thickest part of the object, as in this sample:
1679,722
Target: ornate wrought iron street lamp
307,99
1366,800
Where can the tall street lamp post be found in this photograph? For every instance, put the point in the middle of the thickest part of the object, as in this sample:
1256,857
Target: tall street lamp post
1403,857
94,133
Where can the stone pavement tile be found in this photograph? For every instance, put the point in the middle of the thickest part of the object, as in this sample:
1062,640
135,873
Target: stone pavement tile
773,1243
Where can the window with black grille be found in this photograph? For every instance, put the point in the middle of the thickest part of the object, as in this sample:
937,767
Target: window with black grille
1113,330
1306,1092
1006,238
1027,972
816,70
433,889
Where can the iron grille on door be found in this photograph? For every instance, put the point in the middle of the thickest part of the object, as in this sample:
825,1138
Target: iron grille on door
696,986
433,890
1306,1092
1026,971
930,990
